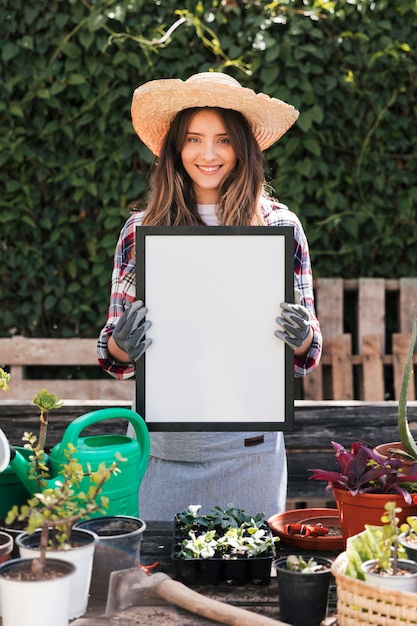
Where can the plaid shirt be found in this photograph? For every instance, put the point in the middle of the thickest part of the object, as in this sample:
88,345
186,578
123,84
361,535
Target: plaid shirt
123,289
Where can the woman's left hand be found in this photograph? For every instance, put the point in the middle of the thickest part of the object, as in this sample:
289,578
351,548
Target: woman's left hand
295,324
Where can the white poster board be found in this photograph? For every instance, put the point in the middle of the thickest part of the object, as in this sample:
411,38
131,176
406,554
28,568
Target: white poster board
213,294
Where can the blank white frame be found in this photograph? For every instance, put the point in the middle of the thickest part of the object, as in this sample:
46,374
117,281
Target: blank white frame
212,295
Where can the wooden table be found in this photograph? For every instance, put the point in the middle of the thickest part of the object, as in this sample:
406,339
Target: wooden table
156,546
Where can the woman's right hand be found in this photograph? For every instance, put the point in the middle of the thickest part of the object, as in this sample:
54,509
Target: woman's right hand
127,342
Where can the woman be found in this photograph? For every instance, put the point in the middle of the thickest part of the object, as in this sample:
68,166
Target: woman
208,133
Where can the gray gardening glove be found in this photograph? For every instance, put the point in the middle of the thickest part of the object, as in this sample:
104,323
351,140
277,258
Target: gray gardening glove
129,333
295,323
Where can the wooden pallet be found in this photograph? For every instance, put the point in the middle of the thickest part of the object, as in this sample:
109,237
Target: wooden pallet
366,325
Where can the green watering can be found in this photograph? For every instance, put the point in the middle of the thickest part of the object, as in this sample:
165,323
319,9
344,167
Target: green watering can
121,489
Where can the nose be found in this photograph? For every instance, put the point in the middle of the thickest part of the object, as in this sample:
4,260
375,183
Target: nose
208,150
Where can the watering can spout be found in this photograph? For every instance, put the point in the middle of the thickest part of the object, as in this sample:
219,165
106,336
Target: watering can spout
10,456
22,468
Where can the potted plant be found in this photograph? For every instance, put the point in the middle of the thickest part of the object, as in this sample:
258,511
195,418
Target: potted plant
377,555
364,483
303,588
50,516
223,545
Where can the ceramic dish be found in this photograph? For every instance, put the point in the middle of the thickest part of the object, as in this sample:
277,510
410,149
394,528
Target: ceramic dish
310,517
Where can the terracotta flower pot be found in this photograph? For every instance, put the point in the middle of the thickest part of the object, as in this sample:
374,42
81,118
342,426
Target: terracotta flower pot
384,449
366,508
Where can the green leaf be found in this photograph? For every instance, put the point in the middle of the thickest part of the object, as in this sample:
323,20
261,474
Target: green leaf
305,121
96,22
76,79
9,50
16,110
313,146
305,167
71,50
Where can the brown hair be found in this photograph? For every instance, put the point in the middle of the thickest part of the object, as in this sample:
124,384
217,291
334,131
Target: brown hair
172,201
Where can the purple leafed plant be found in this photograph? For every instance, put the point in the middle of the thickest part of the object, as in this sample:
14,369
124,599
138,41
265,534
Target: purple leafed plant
362,470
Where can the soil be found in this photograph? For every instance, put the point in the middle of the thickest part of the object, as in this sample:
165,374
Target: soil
15,526
334,531
320,568
411,542
24,573
375,569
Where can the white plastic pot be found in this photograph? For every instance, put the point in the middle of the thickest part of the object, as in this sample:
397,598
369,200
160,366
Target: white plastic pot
32,602
81,556
406,582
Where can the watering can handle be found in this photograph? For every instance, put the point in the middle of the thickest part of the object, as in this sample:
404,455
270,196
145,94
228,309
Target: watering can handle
74,429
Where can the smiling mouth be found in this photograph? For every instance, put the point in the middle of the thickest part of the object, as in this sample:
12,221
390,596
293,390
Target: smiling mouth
209,168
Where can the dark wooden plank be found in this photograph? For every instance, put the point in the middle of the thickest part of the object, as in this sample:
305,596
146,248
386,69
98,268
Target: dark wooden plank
17,418
316,424
308,446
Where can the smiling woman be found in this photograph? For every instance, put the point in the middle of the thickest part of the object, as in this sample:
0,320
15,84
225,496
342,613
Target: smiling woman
208,134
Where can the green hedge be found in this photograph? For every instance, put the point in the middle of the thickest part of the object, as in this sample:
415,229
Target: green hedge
71,164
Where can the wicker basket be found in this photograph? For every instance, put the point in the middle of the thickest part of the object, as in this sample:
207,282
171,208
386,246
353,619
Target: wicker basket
359,602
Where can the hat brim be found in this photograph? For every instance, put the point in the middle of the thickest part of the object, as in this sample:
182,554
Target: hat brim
156,103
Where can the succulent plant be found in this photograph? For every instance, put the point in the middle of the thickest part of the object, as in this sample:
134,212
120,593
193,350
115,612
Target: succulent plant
406,436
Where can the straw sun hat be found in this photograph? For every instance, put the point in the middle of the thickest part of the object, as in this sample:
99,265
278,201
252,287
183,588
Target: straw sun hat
156,103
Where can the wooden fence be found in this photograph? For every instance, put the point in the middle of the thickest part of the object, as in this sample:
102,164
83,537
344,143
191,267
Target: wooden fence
366,326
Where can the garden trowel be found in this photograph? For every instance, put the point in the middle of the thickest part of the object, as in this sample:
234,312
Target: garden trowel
133,587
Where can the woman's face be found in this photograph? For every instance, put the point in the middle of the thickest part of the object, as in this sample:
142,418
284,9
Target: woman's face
207,155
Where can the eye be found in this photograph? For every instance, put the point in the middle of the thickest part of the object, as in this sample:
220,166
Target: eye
224,140
192,139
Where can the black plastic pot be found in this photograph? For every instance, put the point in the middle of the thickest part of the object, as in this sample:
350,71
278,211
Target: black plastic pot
303,597
217,570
